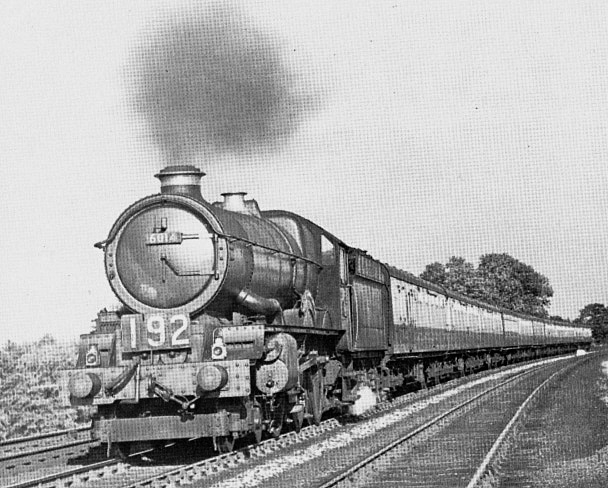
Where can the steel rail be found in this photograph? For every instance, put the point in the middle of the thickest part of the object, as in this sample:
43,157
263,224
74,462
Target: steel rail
368,460
51,478
485,464
47,449
31,446
212,466
221,462
88,470
32,438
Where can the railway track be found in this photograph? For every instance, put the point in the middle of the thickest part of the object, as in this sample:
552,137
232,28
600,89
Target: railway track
13,447
315,462
36,454
452,449
486,473
137,472
101,473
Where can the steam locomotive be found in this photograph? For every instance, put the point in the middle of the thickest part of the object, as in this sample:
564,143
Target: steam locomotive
236,321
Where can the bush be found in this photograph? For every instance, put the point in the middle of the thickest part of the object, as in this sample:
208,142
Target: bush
29,394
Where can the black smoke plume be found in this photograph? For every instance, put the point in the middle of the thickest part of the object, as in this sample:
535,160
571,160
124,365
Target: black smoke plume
215,82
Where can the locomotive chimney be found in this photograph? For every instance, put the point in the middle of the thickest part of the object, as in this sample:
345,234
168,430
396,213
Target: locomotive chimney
181,180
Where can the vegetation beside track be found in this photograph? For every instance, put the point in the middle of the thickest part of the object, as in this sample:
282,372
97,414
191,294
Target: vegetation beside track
29,393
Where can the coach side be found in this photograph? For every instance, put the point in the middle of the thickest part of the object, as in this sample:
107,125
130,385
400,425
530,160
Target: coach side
427,319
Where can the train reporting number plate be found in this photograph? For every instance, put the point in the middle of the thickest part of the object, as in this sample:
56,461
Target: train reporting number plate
162,238
159,331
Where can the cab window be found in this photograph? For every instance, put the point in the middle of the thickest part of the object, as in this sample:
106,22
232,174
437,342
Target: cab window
328,257
343,267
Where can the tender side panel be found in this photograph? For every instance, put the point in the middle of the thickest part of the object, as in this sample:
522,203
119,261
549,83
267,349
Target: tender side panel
370,328
371,305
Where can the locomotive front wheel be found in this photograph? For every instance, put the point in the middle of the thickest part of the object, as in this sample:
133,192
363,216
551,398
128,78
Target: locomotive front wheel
276,425
275,428
298,420
257,427
278,419
315,397
147,449
122,450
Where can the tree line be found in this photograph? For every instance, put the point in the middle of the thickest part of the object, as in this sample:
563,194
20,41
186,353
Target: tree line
503,281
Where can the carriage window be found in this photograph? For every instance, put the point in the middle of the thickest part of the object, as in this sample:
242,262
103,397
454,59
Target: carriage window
327,252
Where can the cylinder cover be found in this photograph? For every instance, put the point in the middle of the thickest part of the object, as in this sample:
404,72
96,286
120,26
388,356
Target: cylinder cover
280,371
272,378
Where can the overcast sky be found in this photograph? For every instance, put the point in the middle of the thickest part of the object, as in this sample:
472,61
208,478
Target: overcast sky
439,128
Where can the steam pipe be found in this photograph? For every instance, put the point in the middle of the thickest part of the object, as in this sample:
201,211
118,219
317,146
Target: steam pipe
118,383
263,306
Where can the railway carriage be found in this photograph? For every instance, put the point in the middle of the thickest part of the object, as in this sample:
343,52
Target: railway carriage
442,332
236,321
